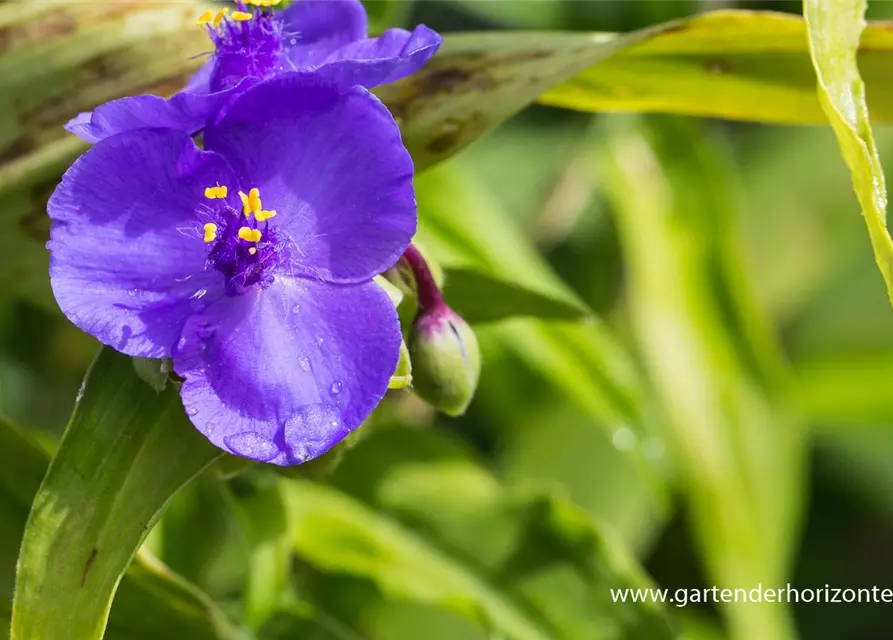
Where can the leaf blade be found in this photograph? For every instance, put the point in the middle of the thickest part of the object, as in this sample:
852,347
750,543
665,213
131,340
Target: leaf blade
835,29
101,494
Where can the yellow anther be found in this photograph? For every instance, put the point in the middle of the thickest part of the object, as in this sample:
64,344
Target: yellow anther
241,16
252,250
219,17
251,202
264,215
212,193
210,232
205,18
254,200
249,235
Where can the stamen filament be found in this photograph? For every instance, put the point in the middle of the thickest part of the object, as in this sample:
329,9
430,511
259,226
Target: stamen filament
219,17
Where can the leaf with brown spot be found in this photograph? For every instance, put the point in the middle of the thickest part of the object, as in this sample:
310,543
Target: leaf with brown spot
58,59
125,453
741,65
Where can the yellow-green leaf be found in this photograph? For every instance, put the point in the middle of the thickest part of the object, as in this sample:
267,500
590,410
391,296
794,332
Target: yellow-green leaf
744,65
835,28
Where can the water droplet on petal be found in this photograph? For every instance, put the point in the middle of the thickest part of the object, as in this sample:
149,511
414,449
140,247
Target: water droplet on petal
304,363
192,412
195,300
623,439
296,308
319,340
132,292
252,445
336,387
312,430
181,343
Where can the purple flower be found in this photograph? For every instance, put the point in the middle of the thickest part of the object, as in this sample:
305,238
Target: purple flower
325,36
250,263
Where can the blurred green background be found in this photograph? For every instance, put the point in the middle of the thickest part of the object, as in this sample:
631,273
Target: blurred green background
817,357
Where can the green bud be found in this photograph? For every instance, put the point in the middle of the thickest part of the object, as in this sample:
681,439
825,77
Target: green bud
446,361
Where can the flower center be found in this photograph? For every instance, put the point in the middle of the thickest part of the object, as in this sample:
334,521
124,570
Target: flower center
247,44
245,248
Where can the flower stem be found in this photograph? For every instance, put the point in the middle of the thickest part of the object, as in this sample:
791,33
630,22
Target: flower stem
427,290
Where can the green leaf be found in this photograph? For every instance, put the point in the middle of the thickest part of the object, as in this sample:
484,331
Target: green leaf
260,506
151,602
532,14
83,54
742,65
384,14
479,297
126,451
22,466
498,272
478,80
718,373
24,260
436,528
154,602
846,389
835,28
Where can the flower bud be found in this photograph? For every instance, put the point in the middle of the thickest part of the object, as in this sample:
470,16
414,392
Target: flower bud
446,362
443,349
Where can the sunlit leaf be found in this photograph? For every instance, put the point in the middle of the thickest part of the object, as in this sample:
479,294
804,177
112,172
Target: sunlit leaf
835,29
744,65
126,451
478,80
151,601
